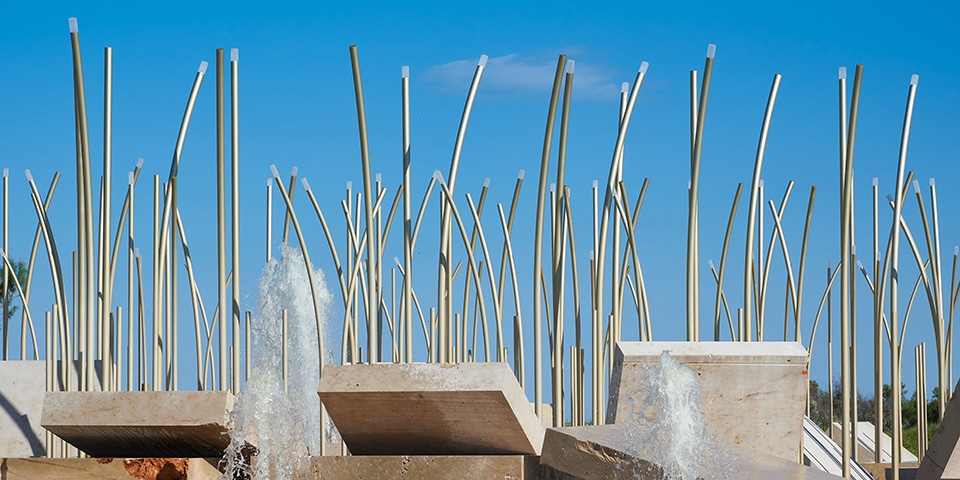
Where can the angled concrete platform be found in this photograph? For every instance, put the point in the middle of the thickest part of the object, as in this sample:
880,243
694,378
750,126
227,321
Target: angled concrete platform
822,453
613,452
422,467
866,446
754,392
140,424
430,409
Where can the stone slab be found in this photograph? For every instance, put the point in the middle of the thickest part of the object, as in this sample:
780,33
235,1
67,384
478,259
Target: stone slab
612,452
100,468
140,424
430,409
416,467
22,384
754,392
866,444
942,458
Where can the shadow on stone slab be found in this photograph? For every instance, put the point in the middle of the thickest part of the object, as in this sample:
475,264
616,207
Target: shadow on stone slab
614,452
140,424
430,409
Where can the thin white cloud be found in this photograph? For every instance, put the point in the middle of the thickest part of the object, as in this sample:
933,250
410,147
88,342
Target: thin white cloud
516,75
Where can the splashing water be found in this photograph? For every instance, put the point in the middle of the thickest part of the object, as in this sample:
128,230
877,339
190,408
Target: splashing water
671,421
284,426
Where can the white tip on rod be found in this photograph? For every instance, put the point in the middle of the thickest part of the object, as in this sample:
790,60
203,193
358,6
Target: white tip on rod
379,177
914,79
273,170
270,183
306,185
890,198
956,250
349,185
916,186
521,174
437,175
643,67
396,260
139,163
853,250
234,54
843,73
486,182
860,265
203,67
6,172
130,178
553,187
761,183
73,24
624,87
405,71
29,175
1,253
933,182
710,263
570,65
875,181
293,171
483,61
711,50
136,252
595,183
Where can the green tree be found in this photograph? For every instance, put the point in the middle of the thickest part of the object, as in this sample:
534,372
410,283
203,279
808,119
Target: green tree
20,271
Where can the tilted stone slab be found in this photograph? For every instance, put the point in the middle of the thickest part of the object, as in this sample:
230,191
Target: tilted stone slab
614,452
430,409
140,424
425,467
22,384
753,392
942,459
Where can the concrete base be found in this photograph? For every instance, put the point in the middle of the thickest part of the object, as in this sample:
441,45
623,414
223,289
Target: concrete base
754,392
22,384
430,409
107,468
942,459
514,467
140,424
608,452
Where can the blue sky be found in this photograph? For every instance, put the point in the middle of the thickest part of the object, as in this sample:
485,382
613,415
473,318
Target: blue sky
297,109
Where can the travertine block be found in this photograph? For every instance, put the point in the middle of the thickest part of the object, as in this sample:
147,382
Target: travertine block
430,409
21,398
753,392
612,452
107,468
418,467
942,460
140,424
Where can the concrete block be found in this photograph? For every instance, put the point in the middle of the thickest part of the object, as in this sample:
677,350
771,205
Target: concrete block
140,424
22,384
822,453
430,409
754,392
420,467
942,459
612,452
108,468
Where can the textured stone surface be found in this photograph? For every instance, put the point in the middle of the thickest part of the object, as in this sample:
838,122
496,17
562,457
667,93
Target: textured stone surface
22,384
612,452
942,459
140,424
105,469
753,392
430,409
417,467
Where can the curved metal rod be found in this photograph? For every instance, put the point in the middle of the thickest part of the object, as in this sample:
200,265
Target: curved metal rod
506,232
26,309
883,317
791,284
573,265
473,244
803,263
195,299
762,297
497,308
913,296
816,319
36,236
723,266
624,210
723,299
508,250
748,279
